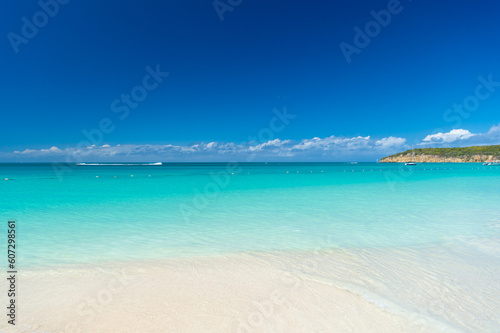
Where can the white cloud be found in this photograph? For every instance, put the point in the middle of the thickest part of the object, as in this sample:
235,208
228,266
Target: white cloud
52,150
451,136
493,134
316,147
390,142
333,143
276,143
329,148
463,137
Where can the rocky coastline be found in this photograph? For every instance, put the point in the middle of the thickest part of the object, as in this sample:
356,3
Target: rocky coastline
476,154
423,158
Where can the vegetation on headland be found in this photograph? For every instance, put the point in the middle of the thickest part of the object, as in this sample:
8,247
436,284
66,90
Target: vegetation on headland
459,154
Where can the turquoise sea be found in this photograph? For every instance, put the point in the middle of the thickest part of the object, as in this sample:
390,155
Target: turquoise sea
95,213
421,241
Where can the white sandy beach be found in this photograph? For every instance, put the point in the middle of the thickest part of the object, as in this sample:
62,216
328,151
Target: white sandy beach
259,292
216,295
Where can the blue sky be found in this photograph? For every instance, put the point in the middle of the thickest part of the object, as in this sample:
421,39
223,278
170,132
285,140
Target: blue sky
229,78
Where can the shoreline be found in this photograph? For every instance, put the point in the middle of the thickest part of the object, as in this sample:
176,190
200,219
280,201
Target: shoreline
417,160
470,154
235,295
423,162
249,292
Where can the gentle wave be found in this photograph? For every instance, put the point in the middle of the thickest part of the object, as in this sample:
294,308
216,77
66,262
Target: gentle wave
155,163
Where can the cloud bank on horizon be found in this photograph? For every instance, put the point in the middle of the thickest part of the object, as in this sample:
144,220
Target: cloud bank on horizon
332,148
459,137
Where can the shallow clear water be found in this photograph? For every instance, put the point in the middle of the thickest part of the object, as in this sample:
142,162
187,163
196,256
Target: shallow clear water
100,213
421,241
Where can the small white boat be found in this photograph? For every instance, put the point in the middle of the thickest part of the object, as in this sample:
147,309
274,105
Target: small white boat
412,158
497,162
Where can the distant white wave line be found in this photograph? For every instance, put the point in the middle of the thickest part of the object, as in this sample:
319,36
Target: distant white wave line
156,163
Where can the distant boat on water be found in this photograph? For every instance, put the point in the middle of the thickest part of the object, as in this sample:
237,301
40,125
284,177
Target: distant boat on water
497,162
412,159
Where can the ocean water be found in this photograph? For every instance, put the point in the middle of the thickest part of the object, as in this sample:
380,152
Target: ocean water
409,236
91,213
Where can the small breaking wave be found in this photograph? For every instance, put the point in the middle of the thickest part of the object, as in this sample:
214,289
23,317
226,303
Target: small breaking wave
156,163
